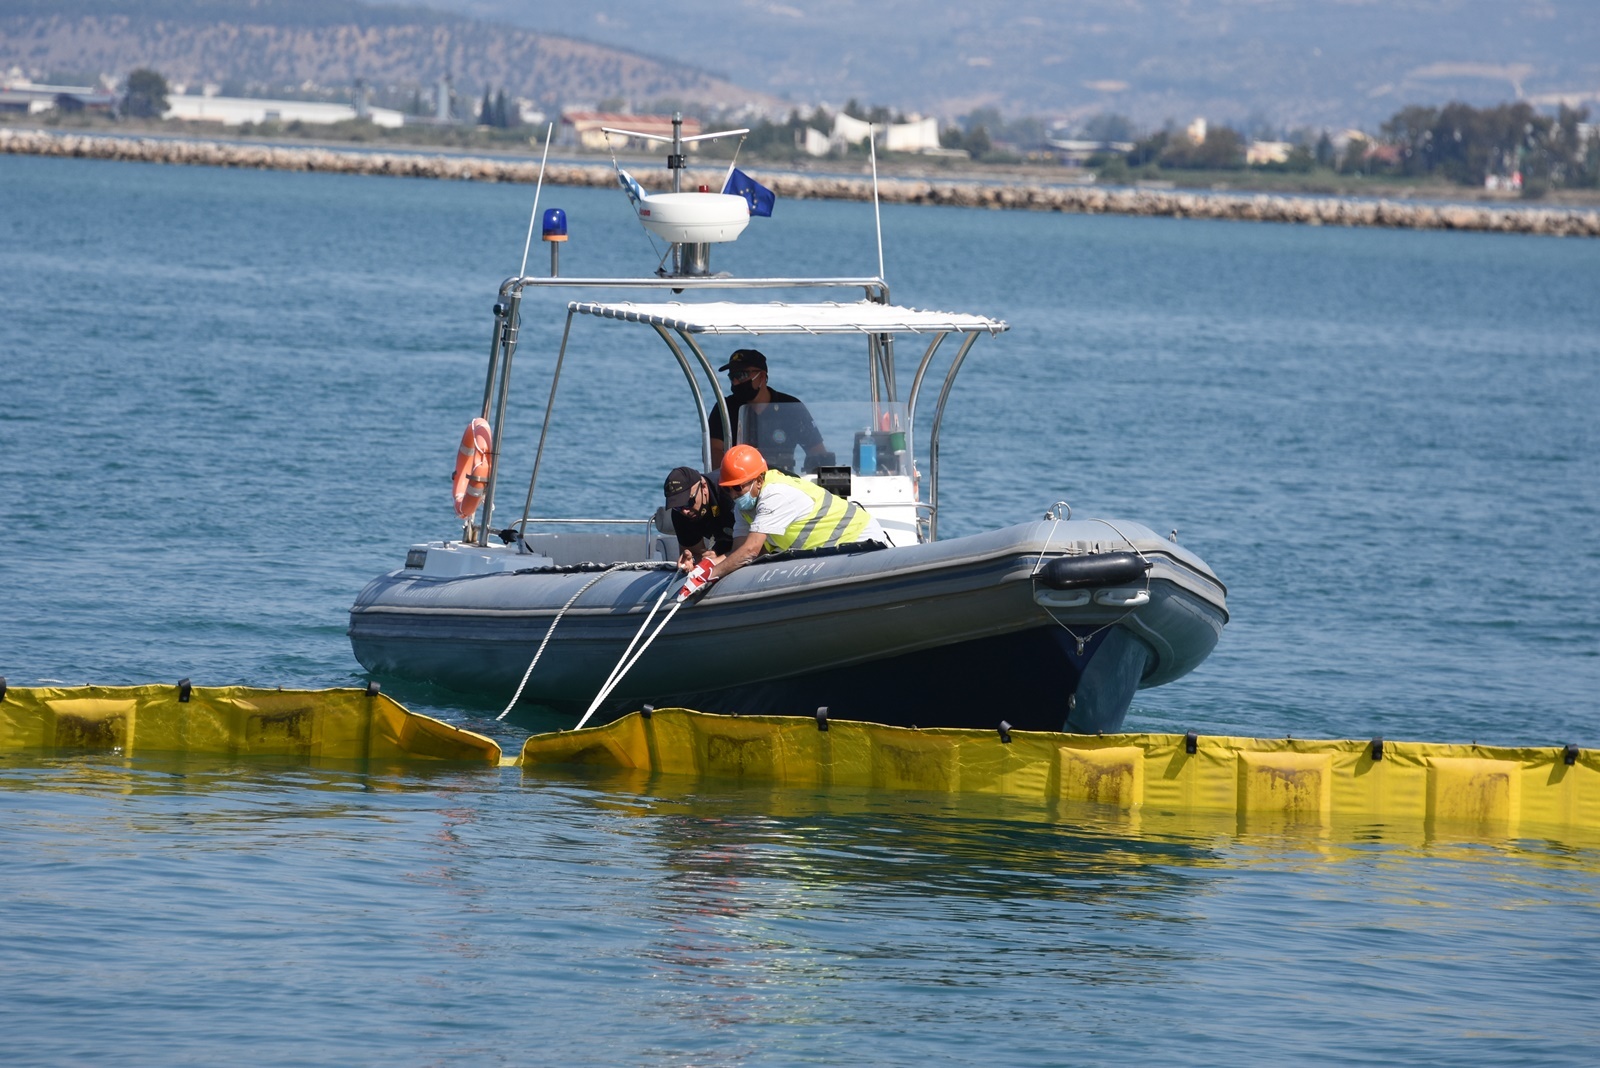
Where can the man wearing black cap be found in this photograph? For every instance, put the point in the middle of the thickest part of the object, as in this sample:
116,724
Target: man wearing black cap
701,511
773,422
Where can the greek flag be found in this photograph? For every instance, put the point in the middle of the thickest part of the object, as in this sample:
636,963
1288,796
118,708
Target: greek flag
635,192
758,196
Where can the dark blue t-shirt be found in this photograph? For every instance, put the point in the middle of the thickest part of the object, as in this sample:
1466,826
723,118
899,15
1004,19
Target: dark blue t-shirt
777,430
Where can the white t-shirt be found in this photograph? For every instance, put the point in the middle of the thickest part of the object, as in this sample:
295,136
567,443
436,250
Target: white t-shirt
779,507
776,508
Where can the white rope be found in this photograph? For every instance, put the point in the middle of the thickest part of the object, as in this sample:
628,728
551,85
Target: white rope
636,636
622,669
649,238
570,601
537,189
1039,566
1053,513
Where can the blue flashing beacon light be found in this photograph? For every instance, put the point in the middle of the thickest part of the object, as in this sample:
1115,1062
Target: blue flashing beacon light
555,231
555,224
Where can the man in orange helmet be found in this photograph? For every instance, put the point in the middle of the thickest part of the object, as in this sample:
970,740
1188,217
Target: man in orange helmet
774,511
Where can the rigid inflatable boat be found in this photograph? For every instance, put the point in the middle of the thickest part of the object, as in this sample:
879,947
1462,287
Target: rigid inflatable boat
1057,621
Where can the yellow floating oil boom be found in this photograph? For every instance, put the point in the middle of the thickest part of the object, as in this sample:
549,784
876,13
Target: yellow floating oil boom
346,724
1307,782
1304,781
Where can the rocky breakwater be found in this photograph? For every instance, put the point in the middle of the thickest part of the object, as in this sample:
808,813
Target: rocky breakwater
1255,207
1088,200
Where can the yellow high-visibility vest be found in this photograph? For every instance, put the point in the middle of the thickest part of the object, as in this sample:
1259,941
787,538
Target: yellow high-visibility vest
833,520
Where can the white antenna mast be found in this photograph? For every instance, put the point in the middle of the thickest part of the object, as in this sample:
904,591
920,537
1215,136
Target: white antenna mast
877,219
526,245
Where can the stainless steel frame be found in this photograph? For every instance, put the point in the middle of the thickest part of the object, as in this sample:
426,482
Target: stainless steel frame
880,365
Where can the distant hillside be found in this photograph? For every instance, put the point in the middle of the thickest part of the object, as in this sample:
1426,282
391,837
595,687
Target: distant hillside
1316,62
289,42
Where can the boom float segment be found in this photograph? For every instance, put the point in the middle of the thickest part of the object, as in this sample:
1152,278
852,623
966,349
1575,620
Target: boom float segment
231,721
1304,781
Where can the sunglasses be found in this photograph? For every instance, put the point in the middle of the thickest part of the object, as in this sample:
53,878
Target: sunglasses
692,507
736,377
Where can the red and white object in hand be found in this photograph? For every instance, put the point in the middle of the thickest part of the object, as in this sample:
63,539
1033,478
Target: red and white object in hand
699,578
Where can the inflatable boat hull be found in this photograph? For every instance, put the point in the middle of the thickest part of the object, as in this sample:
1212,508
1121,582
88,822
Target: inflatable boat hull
961,632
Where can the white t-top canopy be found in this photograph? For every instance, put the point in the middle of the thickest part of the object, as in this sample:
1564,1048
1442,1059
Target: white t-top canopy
857,317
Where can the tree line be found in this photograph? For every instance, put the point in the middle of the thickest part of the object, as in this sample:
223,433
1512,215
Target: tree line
1470,145
1456,142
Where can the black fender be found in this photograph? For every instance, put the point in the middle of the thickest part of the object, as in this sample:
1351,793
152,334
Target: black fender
1096,569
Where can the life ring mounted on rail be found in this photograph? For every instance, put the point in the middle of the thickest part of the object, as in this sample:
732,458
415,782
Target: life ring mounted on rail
472,467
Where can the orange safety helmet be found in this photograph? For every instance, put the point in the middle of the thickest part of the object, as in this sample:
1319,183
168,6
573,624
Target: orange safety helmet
741,464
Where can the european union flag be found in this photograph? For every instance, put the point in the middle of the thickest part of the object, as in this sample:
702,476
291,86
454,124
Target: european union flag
758,196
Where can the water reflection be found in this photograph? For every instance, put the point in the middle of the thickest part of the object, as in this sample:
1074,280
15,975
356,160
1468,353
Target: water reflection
756,891
925,823
689,921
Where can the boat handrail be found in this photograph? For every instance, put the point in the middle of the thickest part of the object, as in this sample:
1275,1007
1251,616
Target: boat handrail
877,289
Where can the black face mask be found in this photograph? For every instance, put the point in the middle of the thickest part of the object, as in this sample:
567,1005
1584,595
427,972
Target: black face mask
745,392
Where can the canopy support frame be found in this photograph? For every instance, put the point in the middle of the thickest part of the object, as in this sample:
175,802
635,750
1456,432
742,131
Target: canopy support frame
694,387
544,429
508,324
716,391
933,435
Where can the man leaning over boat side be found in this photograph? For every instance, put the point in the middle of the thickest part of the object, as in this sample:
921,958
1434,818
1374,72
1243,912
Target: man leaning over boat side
776,423
702,513
775,511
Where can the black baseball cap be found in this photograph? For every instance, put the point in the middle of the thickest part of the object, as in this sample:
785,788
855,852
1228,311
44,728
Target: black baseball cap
679,486
745,358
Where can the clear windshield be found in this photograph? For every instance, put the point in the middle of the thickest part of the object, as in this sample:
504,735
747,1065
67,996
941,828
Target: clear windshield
798,437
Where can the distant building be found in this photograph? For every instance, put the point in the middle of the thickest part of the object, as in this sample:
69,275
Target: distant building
1197,132
814,142
1341,141
849,130
1389,155
587,128
20,93
237,110
1263,152
528,113
919,136
1075,152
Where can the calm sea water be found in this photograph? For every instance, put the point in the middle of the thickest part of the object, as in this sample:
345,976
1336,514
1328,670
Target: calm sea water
232,397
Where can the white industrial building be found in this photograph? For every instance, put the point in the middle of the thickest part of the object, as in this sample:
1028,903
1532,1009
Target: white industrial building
919,135
238,110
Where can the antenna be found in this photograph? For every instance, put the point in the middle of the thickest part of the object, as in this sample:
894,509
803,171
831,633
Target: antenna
877,219
523,270
688,258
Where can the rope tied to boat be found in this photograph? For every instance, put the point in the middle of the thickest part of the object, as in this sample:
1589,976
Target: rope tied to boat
1054,514
649,565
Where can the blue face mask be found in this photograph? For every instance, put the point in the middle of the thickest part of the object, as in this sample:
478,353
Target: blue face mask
746,502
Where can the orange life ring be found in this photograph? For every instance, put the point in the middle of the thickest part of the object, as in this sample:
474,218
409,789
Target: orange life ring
472,467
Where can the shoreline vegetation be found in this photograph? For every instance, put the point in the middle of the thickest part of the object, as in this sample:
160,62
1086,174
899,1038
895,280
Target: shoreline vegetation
1013,192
